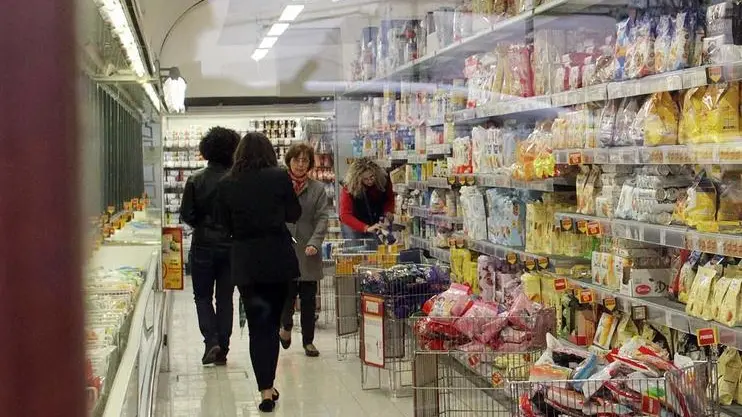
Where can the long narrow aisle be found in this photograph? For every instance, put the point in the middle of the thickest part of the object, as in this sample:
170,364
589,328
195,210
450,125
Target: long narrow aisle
309,387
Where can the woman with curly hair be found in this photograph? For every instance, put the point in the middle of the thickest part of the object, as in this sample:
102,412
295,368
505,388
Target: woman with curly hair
210,250
366,199
256,200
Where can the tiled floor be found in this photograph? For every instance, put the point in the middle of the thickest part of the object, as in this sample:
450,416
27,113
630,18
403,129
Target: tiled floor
310,387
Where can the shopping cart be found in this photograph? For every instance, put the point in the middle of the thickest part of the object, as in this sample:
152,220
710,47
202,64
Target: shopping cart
688,392
348,255
390,299
455,374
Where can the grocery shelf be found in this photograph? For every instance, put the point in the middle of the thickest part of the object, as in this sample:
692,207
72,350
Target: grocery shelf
445,221
669,81
665,312
728,153
674,236
416,211
504,181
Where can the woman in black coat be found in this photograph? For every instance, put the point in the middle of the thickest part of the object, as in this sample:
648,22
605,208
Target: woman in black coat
256,200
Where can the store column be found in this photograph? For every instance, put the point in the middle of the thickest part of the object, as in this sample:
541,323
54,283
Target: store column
41,309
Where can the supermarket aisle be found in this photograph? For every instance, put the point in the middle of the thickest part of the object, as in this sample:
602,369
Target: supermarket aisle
310,387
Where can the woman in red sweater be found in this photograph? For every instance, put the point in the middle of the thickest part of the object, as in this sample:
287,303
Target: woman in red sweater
366,199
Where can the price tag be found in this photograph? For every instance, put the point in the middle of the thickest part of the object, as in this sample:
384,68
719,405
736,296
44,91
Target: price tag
582,226
575,158
609,303
451,180
543,263
530,264
567,224
586,297
560,284
512,258
470,180
593,228
639,313
707,336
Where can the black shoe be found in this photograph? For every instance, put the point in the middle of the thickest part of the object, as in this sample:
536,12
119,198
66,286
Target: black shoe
310,350
267,406
211,353
285,343
221,358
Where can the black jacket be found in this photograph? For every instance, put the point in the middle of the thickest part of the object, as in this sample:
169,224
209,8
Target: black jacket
254,207
198,207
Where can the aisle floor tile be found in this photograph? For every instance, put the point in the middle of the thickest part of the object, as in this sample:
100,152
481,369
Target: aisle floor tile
309,387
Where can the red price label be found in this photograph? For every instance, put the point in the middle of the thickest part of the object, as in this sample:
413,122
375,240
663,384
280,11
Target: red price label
707,336
560,284
582,226
566,224
575,158
586,297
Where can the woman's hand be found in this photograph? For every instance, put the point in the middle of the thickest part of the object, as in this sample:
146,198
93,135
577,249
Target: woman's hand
373,229
310,251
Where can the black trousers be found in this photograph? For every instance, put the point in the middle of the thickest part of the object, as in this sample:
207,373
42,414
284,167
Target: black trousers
307,292
263,305
211,268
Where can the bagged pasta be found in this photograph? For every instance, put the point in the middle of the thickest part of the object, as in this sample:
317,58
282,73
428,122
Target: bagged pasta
729,369
700,293
730,310
661,117
687,276
681,46
640,52
607,124
713,309
730,198
721,106
625,118
699,205
690,129
663,45
621,48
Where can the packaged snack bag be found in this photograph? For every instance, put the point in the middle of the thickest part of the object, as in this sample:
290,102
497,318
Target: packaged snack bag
690,128
450,304
730,199
661,117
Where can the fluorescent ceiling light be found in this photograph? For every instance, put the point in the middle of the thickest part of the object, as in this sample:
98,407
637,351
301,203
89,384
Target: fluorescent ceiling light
260,54
291,12
268,42
277,29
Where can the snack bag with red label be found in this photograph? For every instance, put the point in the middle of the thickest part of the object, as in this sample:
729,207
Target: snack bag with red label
450,304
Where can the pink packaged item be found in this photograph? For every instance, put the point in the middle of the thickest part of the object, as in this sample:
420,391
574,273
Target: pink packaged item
451,303
492,328
503,347
511,335
521,313
486,273
475,317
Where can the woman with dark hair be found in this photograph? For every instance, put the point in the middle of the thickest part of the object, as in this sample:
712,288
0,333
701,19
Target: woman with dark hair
210,248
256,200
309,233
